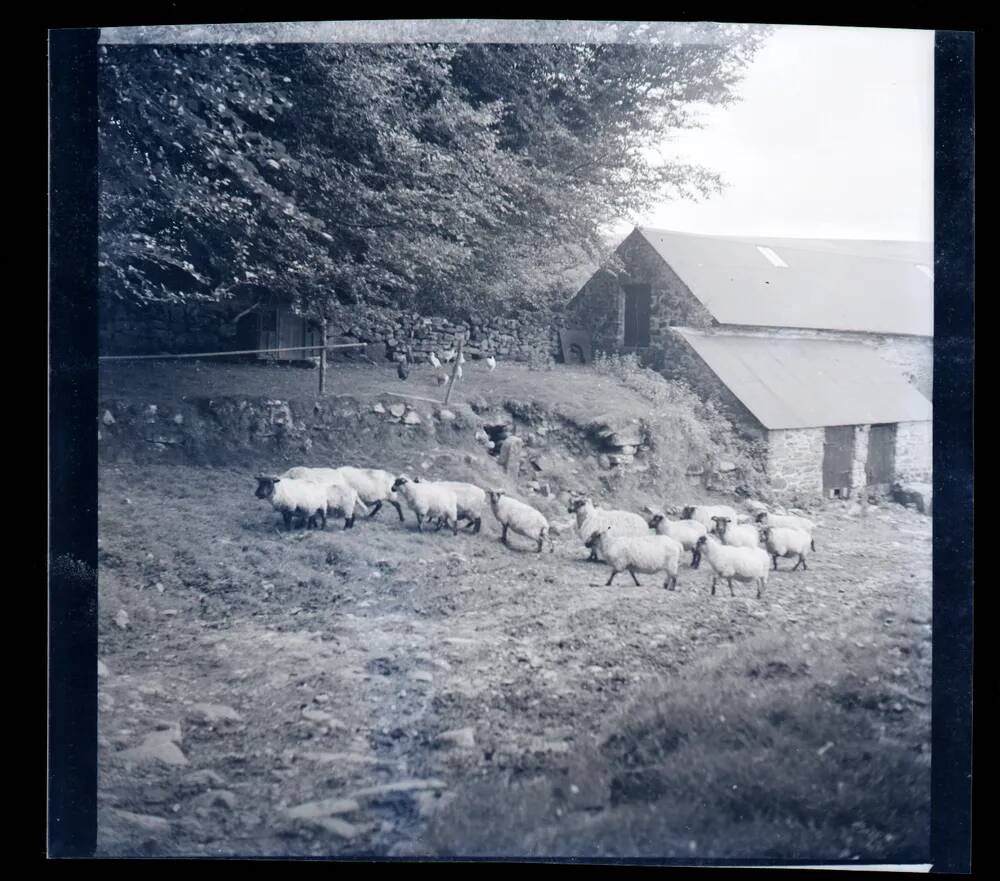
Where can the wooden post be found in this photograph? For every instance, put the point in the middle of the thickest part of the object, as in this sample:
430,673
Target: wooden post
454,371
322,359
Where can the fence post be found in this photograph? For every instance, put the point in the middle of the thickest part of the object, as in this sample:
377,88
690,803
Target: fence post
454,370
322,359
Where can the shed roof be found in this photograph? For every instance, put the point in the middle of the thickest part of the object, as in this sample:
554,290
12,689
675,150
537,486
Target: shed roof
833,284
808,383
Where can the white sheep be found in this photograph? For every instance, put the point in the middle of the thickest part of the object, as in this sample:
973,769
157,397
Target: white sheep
590,519
743,564
471,500
687,532
372,485
765,519
429,501
638,553
519,517
783,541
342,497
736,535
704,514
294,498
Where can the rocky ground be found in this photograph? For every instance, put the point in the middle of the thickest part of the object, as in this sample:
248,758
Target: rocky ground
382,692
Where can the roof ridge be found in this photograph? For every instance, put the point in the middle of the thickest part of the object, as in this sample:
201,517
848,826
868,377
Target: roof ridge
753,238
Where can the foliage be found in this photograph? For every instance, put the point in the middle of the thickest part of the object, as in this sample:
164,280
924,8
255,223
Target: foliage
457,179
685,430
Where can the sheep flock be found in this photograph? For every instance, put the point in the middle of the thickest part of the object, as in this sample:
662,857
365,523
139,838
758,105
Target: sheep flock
735,547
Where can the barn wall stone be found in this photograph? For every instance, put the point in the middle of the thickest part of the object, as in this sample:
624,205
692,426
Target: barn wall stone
599,307
795,460
914,452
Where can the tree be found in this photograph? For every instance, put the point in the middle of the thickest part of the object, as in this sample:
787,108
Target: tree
454,179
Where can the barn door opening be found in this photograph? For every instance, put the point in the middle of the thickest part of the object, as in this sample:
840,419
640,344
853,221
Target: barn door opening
881,454
637,309
838,457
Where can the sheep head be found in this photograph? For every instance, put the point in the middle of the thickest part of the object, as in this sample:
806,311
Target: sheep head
688,512
494,495
656,520
595,537
398,482
720,524
761,517
265,486
576,505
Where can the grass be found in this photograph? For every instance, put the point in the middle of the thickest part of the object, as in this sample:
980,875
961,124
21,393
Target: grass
577,391
764,749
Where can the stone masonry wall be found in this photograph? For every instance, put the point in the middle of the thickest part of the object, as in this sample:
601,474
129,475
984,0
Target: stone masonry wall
795,460
914,452
156,329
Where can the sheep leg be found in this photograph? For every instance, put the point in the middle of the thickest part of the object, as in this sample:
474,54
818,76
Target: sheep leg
731,592
612,578
695,559
375,509
812,544
399,510
420,521
349,522
454,527
287,517
713,585
503,535
593,556
760,588
801,562
440,522
636,580
775,558
478,524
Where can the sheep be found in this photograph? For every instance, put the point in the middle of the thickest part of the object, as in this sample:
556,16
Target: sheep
342,497
372,485
293,497
471,501
738,536
743,564
687,532
802,523
589,519
429,501
704,514
642,553
783,541
521,518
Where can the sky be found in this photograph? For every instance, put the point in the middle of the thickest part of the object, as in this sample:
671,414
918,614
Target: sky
834,138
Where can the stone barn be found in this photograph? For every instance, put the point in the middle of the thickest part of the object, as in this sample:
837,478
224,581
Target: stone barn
822,348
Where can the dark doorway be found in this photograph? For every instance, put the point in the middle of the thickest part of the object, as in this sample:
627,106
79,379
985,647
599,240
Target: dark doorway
881,454
637,308
838,457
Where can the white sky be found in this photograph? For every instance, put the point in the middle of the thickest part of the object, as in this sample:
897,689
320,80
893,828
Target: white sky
834,138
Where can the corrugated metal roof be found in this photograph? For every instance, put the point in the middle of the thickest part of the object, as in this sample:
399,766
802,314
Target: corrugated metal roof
807,383
833,284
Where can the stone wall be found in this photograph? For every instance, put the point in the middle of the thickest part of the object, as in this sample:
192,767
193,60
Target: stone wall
599,307
795,460
419,335
155,329
166,328
914,452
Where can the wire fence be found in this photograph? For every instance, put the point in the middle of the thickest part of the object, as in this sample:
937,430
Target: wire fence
165,356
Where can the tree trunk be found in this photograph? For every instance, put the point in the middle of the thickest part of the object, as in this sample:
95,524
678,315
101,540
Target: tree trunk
322,359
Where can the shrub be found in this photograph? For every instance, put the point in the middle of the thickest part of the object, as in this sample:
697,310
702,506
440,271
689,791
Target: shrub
683,430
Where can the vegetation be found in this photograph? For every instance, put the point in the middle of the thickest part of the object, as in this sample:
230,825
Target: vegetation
459,178
685,429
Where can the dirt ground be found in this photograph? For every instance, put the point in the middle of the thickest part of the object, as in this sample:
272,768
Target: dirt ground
352,692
